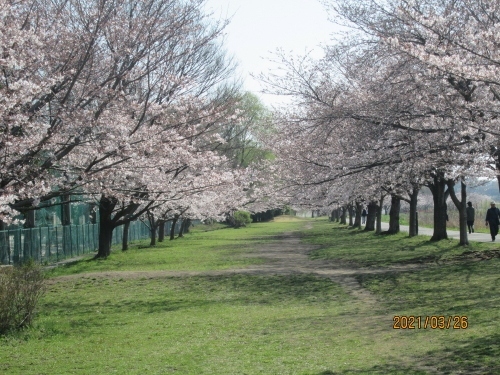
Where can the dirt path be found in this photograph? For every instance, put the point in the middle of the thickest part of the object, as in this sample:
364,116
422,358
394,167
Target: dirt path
285,255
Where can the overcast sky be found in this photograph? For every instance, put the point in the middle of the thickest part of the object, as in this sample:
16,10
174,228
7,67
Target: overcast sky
259,27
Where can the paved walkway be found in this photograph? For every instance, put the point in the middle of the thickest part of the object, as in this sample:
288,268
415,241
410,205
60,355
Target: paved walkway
477,237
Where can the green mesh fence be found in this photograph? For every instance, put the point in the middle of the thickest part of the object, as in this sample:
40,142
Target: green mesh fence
52,244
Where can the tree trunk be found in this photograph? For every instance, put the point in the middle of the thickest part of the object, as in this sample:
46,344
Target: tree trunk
30,244
152,229
497,155
372,216
188,224
351,215
126,227
106,226
379,215
181,229
161,230
66,210
4,244
461,206
439,196
172,229
66,222
413,211
343,216
357,219
394,215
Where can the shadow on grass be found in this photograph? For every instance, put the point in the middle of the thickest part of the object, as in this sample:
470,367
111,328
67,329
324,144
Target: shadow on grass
479,356
466,288
380,370
164,295
366,249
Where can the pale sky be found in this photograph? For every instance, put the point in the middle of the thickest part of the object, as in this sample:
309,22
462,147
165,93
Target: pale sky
259,27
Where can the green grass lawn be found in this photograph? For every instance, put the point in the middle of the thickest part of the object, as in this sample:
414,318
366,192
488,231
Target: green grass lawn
364,249
93,320
206,248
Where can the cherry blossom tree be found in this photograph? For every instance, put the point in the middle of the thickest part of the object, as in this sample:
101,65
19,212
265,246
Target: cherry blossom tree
115,100
369,105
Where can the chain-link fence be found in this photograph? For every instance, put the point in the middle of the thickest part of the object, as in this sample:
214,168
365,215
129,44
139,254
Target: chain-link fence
48,244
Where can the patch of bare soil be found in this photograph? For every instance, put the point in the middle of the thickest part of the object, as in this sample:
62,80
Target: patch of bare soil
478,255
285,255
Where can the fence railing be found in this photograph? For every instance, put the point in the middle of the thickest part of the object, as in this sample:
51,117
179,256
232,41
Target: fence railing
52,244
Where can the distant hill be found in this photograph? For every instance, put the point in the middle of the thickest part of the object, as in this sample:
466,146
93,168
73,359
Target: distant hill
490,189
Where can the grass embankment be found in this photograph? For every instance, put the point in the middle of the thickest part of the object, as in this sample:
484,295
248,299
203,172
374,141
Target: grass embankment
122,323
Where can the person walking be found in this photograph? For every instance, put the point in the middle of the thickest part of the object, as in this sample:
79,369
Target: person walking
493,219
470,217
363,216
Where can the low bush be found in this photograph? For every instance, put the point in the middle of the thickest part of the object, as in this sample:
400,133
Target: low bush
241,218
20,290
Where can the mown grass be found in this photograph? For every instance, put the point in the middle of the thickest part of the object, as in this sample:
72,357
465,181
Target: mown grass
206,247
119,323
468,289
344,245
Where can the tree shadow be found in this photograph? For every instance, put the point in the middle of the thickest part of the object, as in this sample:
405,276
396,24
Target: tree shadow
479,356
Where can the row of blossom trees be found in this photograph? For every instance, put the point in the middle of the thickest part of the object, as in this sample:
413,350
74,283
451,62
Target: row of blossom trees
408,97
119,101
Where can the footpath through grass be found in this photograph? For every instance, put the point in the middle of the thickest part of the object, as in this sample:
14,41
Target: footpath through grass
94,320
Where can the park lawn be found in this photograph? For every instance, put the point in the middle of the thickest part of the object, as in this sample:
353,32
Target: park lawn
119,323
342,245
206,247
467,290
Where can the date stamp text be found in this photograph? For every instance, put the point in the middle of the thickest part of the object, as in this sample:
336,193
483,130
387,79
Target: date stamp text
431,322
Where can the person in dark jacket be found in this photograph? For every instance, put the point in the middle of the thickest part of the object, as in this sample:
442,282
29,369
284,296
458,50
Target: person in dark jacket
364,214
470,217
493,219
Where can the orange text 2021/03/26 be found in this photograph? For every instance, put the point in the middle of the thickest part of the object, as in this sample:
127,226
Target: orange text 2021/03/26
432,322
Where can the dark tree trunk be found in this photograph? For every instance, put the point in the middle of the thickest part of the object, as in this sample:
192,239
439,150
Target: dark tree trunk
439,196
106,226
461,206
379,215
413,211
30,249
372,216
152,236
181,229
66,210
152,228
66,222
4,244
394,215
126,227
172,229
496,154
351,215
343,216
188,224
357,219
161,230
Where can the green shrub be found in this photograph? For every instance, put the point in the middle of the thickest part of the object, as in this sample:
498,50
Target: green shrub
241,219
20,290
